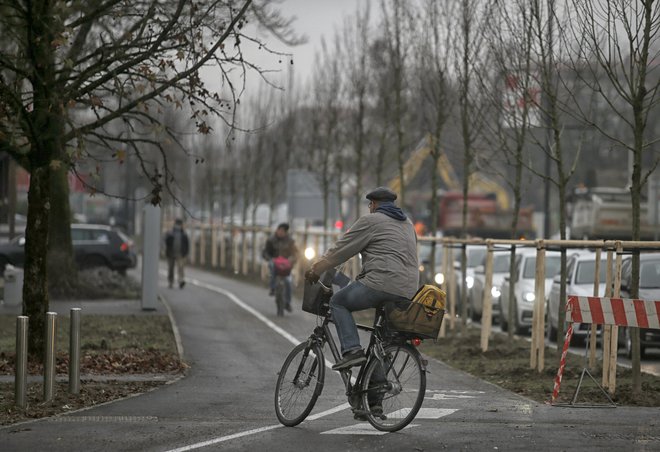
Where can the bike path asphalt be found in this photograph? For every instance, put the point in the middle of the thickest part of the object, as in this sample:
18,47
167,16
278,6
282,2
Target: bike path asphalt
235,345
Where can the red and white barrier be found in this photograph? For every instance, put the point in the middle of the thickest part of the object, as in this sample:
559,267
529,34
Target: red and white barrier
614,311
606,311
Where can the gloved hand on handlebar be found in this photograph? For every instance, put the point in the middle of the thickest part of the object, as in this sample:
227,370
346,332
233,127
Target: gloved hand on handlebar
311,276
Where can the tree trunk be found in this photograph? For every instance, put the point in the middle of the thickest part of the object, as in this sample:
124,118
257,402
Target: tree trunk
35,287
62,269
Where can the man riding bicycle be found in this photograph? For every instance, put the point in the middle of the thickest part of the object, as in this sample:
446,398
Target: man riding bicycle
280,245
390,273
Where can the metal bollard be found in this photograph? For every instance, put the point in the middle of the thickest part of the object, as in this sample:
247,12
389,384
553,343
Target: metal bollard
74,351
20,386
49,356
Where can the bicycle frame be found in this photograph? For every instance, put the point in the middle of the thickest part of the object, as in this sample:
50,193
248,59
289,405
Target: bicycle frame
322,335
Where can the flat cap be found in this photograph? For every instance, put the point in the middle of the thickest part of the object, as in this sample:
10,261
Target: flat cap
381,194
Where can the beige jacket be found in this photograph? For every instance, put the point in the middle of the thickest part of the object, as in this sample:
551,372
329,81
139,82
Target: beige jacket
389,254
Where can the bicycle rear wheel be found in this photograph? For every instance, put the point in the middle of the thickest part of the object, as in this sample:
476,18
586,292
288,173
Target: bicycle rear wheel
399,388
299,384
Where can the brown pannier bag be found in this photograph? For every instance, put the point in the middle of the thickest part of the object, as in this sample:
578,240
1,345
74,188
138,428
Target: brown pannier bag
423,316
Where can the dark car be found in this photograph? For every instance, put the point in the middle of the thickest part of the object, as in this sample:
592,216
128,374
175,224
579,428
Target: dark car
649,290
93,246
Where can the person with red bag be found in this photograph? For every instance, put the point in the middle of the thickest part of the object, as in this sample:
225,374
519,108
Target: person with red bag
281,253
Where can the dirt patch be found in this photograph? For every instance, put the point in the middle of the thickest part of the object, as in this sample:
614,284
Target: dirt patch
506,364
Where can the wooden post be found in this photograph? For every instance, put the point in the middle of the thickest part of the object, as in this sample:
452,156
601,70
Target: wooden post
244,252
443,285
487,311
607,329
192,252
223,247
614,336
452,289
202,245
235,265
594,327
214,247
537,358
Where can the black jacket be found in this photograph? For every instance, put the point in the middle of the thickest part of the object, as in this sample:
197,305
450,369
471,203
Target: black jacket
169,244
285,247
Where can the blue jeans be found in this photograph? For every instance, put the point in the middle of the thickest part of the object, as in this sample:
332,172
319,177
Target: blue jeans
355,297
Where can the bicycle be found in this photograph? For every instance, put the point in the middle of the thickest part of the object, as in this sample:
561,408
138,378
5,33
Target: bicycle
280,294
389,387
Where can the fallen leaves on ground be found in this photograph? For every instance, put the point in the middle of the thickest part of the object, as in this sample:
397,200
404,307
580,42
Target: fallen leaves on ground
134,361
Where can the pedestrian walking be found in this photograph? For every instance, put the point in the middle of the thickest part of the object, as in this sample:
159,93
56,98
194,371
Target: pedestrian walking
176,251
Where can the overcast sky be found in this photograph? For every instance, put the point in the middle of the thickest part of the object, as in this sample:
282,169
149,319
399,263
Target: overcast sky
314,19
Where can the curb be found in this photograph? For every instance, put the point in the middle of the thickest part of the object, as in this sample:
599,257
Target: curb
175,328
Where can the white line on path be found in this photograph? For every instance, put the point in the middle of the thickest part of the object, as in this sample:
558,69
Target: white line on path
282,333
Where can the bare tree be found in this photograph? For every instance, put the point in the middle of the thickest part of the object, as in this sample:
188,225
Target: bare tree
68,70
433,72
549,35
512,91
617,60
396,19
325,140
468,48
356,51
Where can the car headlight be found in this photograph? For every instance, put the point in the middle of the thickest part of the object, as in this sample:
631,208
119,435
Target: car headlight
469,281
439,278
310,253
495,292
529,296
421,268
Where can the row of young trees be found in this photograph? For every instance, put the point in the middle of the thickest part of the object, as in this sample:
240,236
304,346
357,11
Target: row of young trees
522,90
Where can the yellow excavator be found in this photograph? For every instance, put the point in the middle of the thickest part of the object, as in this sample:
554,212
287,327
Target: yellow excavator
478,183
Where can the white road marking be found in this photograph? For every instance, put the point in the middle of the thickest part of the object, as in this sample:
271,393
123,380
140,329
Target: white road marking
359,429
225,438
456,391
336,409
269,323
425,413
367,429
440,396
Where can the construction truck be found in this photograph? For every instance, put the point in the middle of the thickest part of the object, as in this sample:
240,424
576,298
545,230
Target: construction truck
485,217
489,214
606,213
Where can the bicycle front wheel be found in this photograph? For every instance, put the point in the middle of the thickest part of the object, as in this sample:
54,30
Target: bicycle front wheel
299,384
279,298
394,389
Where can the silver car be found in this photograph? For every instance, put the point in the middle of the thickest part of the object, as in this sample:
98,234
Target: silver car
580,275
476,295
649,289
524,293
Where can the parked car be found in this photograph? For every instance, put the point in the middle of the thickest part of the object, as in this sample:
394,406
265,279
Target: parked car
93,246
649,289
524,291
580,275
428,275
476,295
